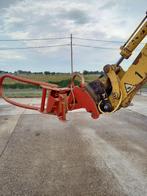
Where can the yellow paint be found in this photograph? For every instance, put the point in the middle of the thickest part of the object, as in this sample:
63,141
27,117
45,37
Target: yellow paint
127,83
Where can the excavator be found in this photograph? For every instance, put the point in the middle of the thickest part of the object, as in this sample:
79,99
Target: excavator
108,93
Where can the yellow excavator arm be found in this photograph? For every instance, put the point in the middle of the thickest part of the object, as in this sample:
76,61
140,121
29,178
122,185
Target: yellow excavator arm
120,85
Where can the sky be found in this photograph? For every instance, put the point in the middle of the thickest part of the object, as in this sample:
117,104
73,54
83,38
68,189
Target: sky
110,20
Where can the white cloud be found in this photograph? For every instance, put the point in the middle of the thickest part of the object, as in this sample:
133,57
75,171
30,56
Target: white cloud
50,18
107,19
11,55
29,19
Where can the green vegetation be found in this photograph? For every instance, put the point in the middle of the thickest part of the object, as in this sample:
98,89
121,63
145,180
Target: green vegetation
23,93
15,89
20,86
18,89
64,83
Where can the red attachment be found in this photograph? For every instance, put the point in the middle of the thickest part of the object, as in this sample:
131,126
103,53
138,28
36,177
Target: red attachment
56,100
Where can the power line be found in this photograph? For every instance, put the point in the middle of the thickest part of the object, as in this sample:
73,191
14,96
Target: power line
34,39
59,38
88,46
101,40
33,47
61,45
98,40
62,38
97,47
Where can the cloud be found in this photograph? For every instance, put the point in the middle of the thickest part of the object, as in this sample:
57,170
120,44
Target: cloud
10,55
76,15
6,3
53,18
108,5
107,19
59,17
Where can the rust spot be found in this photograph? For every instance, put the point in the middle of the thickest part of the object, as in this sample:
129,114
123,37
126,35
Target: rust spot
137,59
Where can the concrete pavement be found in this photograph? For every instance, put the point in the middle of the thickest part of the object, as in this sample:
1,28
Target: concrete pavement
40,155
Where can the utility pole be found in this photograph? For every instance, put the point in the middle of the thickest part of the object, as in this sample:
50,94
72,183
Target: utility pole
71,53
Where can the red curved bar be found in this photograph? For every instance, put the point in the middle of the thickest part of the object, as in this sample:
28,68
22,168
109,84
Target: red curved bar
28,81
59,100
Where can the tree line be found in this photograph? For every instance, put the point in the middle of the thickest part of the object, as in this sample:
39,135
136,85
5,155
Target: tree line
85,72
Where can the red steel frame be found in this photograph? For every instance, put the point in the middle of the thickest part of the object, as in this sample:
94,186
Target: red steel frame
56,100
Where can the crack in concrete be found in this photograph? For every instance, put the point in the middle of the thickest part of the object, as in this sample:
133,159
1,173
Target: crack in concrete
11,135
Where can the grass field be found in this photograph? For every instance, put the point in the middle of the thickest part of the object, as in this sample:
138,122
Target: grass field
18,89
53,78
